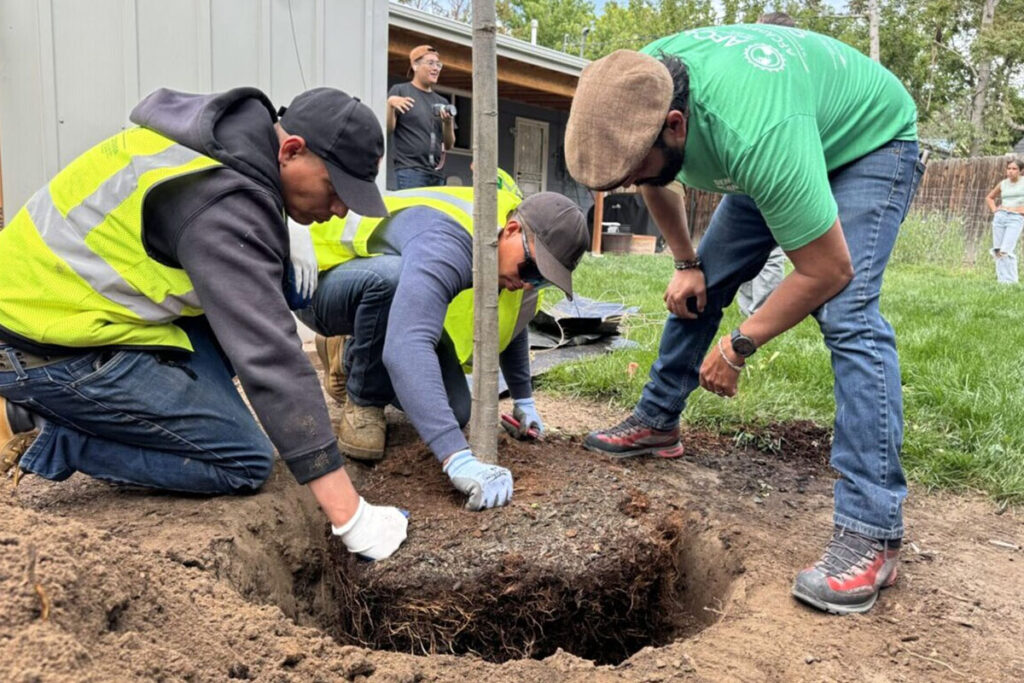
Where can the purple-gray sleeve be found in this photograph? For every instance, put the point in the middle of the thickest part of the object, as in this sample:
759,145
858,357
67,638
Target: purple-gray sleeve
234,252
515,366
436,266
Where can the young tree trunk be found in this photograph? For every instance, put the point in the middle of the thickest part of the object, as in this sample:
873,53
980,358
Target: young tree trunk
484,421
873,30
984,73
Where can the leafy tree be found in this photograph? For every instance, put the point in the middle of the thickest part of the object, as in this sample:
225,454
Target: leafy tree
560,22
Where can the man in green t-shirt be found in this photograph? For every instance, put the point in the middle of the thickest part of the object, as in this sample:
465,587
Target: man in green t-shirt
815,147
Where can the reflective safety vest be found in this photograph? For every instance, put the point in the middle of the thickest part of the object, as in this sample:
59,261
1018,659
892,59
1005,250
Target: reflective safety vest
343,239
506,183
75,272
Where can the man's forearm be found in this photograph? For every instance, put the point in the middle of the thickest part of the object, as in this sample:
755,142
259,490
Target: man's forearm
667,210
792,301
336,495
392,119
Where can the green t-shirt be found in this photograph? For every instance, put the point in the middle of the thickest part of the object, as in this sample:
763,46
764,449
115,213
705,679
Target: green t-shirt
774,109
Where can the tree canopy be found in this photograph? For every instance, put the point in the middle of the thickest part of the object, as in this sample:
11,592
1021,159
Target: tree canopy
962,62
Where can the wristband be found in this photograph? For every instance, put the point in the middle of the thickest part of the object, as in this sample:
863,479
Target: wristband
687,264
737,368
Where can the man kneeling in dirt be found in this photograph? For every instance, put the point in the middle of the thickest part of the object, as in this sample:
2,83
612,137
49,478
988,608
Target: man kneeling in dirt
402,288
815,146
151,269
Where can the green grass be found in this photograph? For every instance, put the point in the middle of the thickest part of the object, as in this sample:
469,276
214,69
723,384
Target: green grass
959,337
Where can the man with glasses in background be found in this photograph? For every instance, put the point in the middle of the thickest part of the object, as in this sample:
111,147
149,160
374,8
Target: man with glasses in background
401,288
421,121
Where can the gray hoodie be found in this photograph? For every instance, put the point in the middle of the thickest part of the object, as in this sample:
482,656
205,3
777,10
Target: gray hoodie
226,229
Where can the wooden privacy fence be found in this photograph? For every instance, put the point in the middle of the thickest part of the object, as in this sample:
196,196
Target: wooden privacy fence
955,188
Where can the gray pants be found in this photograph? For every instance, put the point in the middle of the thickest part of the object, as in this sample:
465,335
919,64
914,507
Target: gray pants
1006,228
752,294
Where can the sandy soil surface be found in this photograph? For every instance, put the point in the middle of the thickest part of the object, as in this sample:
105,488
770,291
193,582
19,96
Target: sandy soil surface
658,570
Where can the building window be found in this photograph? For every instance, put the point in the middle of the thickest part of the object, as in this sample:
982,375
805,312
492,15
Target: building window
463,102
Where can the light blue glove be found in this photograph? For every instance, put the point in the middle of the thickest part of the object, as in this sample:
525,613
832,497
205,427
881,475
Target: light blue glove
487,486
526,413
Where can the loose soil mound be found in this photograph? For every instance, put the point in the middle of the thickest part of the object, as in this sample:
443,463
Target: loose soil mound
102,583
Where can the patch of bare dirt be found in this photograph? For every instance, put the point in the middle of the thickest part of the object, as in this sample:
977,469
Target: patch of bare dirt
688,560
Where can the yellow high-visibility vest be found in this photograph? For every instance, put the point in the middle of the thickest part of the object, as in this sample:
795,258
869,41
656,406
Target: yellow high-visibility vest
75,272
343,239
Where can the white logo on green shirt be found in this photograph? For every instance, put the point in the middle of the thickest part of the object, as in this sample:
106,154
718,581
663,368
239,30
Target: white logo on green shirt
765,57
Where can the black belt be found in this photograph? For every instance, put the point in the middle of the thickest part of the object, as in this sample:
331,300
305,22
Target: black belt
26,360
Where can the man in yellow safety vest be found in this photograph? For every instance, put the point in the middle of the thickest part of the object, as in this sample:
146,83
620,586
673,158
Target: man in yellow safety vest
402,288
151,269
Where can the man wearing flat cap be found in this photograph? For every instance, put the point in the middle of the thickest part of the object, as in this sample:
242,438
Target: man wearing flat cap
151,270
399,289
815,147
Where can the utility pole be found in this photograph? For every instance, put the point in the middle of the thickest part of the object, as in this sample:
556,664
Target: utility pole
483,425
873,29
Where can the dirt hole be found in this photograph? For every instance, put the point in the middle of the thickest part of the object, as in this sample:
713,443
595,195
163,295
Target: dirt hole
649,586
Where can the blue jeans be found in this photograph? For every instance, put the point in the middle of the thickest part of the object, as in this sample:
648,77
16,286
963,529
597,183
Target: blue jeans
354,298
141,418
417,177
1006,229
873,194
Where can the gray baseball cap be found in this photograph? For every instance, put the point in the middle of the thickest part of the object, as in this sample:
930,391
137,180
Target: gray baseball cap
560,235
343,132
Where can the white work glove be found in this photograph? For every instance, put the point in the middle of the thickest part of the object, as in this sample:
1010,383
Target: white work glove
487,486
374,532
303,261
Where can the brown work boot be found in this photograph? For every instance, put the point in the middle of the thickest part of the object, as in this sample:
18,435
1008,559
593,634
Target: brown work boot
12,445
361,432
331,351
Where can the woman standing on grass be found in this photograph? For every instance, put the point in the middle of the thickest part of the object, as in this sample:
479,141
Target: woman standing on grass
1008,221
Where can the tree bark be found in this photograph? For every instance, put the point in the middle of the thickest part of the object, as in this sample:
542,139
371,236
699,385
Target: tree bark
483,437
873,30
981,85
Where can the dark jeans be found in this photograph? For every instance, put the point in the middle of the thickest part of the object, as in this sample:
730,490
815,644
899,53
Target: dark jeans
873,194
417,177
132,417
354,298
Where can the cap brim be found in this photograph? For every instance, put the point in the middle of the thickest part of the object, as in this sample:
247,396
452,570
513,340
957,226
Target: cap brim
551,268
361,196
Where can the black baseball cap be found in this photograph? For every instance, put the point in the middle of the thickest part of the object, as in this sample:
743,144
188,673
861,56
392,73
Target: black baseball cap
560,236
343,132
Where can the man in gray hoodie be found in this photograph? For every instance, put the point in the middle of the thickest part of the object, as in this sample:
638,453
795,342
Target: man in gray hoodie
151,270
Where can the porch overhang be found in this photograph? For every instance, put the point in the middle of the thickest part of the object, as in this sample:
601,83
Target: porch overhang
527,73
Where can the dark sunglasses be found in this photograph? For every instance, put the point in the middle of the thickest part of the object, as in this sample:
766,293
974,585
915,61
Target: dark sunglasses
528,270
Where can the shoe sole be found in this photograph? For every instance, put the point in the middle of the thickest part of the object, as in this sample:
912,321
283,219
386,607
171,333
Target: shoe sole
842,610
668,452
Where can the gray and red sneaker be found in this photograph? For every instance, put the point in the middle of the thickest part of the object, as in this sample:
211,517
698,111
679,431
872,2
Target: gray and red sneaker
849,576
632,437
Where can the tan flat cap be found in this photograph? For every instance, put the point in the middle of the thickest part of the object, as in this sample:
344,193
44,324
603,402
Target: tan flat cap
618,110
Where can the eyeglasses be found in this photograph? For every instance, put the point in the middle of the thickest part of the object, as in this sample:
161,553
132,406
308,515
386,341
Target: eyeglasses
528,270
431,64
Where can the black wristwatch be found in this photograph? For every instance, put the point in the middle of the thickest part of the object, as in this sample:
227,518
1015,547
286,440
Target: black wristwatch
743,345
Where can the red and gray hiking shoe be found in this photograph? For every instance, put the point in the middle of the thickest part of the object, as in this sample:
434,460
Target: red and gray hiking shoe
849,576
632,437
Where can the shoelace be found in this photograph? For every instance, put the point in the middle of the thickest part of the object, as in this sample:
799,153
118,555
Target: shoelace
628,425
846,551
